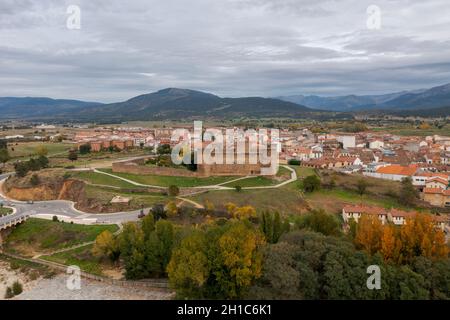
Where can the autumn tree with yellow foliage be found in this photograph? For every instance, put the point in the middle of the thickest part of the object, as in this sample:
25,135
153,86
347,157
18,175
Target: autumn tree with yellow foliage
245,212
220,262
402,244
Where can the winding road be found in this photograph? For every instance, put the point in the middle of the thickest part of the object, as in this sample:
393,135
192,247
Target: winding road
61,208
65,209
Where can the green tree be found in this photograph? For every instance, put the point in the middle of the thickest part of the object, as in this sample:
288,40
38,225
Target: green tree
311,183
85,148
34,180
106,246
408,193
361,186
319,221
43,161
272,227
21,168
148,226
4,156
73,155
173,191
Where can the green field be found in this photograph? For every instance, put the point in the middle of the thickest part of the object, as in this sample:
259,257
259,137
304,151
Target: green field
259,181
303,172
166,181
286,199
102,179
138,199
81,257
5,211
410,130
28,149
38,235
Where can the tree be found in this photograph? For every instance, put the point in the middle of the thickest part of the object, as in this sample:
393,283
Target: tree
369,233
73,155
41,150
17,288
21,168
319,221
173,191
34,180
43,161
158,212
272,227
361,186
408,193
209,206
238,188
245,212
311,183
148,226
4,156
221,262
106,246
85,148
3,144
172,209
189,268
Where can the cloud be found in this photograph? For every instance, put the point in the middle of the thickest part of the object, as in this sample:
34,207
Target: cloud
229,47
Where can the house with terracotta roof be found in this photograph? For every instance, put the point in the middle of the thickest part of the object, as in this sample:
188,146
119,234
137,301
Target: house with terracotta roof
398,217
437,182
393,172
436,196
356,211
395,216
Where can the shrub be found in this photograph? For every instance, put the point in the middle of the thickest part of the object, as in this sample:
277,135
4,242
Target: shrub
34,180
17,288
9,293
311,183
55,219
173,191
294,162
238,188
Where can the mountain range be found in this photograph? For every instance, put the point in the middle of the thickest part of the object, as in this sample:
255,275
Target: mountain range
178,104
434,98
171,103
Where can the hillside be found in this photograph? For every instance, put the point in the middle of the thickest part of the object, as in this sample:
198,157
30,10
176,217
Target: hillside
29,107
171,103
424,99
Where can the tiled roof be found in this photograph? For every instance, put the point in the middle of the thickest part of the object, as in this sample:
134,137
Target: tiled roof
398,169
365,209
432,190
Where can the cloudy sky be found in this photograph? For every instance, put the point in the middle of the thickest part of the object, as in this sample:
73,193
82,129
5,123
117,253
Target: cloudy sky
227,47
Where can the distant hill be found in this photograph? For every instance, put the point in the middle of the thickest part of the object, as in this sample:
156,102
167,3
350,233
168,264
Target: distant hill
434,98
30,107
174,103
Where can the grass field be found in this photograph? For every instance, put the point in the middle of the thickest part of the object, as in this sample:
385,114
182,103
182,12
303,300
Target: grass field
286,200
259,181
98,178
81,257
5,211
410,130
28,149
303,172
104,196
166,181
42,236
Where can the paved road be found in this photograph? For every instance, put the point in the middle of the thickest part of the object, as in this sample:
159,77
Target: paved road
61,208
